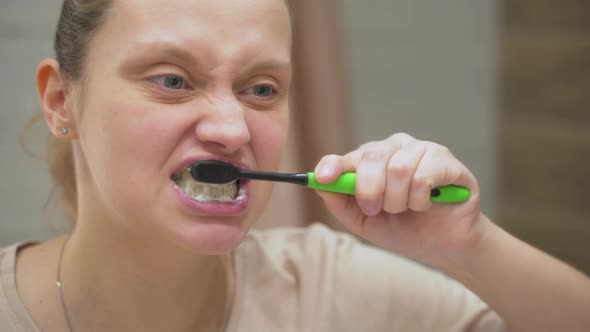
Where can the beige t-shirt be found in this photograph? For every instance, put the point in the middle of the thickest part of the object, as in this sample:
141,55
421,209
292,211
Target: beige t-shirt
315,279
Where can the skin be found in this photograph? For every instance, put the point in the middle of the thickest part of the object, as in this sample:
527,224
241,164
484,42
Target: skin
134,255
392,209
130,133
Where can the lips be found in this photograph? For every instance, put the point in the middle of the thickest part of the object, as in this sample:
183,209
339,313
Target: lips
211,208
206,200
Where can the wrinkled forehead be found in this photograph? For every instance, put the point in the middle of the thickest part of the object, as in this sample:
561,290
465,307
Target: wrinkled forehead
215,29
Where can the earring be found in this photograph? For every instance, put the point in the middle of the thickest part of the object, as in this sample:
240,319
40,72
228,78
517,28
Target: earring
65,131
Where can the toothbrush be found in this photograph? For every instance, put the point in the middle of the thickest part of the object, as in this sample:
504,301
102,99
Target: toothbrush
219,172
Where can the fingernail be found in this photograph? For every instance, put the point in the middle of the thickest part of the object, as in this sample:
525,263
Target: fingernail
324,170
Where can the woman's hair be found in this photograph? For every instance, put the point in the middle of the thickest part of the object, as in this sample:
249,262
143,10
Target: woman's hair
78,21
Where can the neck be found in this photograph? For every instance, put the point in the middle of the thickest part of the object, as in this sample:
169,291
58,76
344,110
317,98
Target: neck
118,280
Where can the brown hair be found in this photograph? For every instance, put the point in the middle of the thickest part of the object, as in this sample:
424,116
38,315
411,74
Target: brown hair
78,21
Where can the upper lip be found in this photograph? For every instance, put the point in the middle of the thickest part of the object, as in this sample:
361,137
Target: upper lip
191,160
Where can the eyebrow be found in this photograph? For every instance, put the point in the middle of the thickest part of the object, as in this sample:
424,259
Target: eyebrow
269,65
143,52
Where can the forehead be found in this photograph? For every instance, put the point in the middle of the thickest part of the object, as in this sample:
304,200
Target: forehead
213,11
215,29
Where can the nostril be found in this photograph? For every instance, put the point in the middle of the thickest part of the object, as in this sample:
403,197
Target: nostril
224,131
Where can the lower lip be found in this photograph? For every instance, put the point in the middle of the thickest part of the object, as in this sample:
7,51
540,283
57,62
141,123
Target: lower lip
212,208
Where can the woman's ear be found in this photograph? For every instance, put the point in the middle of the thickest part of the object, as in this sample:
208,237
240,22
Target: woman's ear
53,95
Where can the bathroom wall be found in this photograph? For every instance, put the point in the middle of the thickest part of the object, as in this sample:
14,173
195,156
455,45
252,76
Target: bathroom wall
423,67
428,68
26,28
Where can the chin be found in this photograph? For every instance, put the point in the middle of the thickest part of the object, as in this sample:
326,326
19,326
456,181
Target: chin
213,237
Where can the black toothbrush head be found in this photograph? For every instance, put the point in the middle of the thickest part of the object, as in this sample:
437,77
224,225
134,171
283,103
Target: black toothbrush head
216,172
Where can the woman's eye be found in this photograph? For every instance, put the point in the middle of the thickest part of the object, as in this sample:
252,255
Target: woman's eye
262,90
171,82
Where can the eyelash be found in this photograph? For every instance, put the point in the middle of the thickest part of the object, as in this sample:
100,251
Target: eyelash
273,91
161,81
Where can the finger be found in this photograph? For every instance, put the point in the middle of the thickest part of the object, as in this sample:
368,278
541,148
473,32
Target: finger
355,156
465,179
400,170
399,140
395,141
331,166
371,178
437,167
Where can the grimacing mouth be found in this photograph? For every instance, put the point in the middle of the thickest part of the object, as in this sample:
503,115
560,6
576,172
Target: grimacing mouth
204,192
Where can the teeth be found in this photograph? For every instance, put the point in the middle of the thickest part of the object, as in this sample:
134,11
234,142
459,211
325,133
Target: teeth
204,192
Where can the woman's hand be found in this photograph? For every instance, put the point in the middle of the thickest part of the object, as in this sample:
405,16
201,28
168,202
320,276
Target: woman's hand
392,206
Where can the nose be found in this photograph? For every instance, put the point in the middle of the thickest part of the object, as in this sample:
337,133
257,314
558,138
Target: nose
223,126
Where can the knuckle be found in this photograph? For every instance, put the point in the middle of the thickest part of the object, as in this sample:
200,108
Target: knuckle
331,158
398,169
369,193
401,136
366,198
417,146
367,146
454,172
421,181
431,145
441,149
374,154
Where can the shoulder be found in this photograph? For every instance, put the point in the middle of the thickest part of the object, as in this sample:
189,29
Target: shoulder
26,264
8,260
9,314
4,251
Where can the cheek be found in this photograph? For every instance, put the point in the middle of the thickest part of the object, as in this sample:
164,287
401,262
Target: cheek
268,135
132,134
127,145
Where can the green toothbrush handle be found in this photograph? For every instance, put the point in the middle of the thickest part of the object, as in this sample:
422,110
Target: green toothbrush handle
449,194
345,185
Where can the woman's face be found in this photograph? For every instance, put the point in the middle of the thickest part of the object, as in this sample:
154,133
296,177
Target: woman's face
168,83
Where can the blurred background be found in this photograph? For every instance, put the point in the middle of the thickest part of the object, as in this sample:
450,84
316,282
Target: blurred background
504,84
